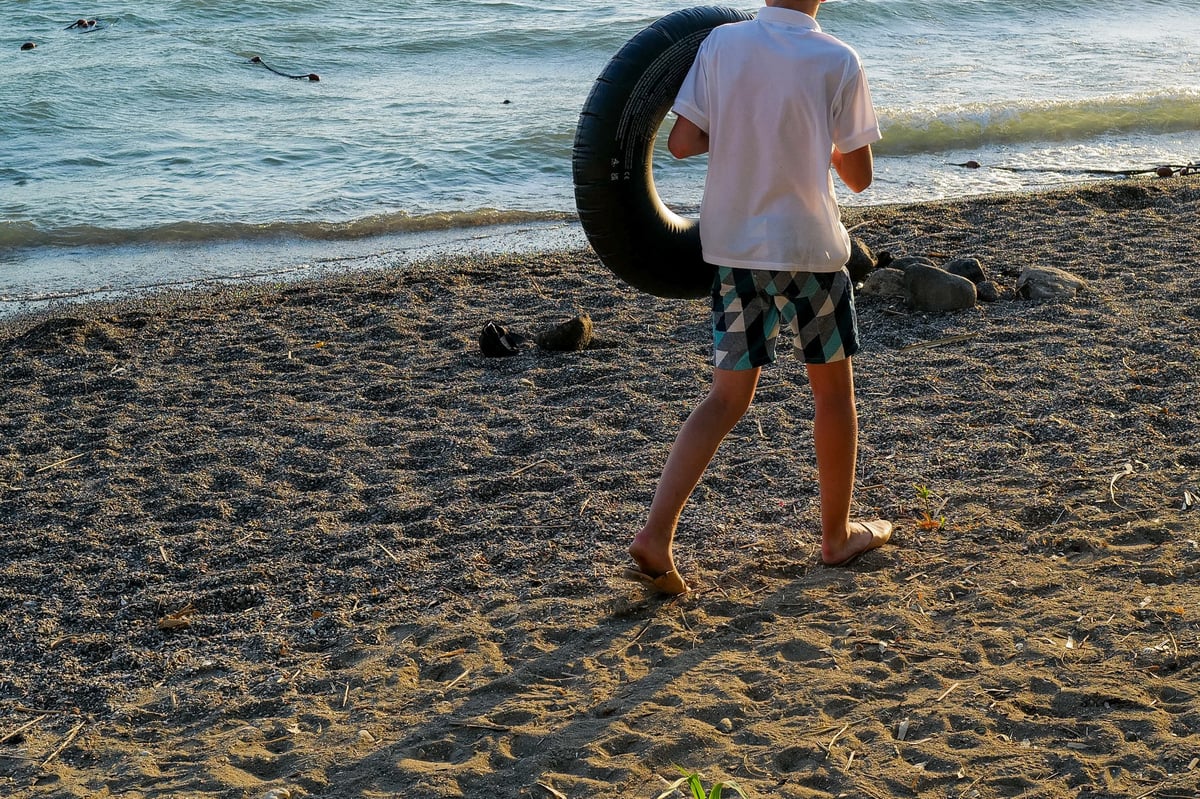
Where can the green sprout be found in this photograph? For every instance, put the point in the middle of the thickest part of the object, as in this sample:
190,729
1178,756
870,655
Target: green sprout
692,779
927,522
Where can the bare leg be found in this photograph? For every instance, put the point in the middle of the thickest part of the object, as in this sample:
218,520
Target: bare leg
697,442
835,437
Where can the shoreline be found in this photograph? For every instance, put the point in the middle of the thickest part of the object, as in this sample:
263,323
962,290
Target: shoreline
302,537
62,272
61,277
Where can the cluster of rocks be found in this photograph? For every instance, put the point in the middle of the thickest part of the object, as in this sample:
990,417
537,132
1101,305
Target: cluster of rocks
925,285
957,284
498,341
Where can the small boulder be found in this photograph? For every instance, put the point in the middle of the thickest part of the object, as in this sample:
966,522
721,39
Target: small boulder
885,283
970,268
861,260
933,289
1048,283
571,335
988,291
906,262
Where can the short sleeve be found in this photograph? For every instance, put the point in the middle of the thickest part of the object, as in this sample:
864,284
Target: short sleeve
855,124
692,100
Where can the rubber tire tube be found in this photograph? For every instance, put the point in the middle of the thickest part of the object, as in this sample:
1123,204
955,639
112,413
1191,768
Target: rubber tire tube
633,233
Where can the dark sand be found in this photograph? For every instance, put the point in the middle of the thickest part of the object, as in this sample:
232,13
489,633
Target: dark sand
302,540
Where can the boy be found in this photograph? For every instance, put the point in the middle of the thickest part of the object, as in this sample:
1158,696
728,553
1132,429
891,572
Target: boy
775,102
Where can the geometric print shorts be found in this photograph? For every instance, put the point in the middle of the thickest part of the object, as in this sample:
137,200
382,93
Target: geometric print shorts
749,306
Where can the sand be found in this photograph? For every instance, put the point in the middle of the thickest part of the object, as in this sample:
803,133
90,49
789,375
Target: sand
303,540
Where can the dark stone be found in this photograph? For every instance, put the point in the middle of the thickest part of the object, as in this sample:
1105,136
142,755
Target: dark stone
988,291
573,334
883,259
28,46
970,268
908,261
861,261
933,289
1048,283
497,341
886,283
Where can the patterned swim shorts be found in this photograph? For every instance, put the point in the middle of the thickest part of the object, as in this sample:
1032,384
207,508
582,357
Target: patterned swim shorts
749,304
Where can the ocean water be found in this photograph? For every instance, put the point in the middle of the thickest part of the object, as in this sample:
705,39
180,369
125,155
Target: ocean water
150,149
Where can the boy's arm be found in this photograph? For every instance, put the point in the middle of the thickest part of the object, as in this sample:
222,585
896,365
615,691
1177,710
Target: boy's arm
856,168
686,138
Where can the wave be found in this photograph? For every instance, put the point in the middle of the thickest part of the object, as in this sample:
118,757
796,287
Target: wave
965,127
20,235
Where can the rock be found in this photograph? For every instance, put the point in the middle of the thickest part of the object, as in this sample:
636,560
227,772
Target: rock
861,261
988,291
29,46
933,289
497,341
1048,283
970,268
573,334
908,261
725,725
884,258
887,283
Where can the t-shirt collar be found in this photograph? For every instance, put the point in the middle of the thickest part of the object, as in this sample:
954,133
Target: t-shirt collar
788,16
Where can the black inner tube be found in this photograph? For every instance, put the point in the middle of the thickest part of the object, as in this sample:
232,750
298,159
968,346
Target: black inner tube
632,231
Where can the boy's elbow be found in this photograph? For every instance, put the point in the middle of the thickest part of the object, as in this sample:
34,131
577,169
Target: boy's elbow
857,169
686,139
859,184
682,146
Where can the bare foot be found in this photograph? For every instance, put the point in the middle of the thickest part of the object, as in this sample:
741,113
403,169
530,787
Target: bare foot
863,537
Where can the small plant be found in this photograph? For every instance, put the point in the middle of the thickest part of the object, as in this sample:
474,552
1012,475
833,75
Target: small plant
692,779
927,522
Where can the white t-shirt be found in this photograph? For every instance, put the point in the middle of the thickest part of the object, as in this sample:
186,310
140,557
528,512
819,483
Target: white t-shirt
756,88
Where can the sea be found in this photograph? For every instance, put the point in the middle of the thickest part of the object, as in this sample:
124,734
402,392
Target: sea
165,143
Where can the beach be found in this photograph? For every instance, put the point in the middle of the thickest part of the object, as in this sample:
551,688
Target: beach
301,539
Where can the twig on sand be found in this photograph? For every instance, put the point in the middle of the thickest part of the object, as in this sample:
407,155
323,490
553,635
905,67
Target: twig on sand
21,729
554,793
67,742
645,627
529,466
938,342
49,466
946,693
838,734
480,725
1112,483
456,680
